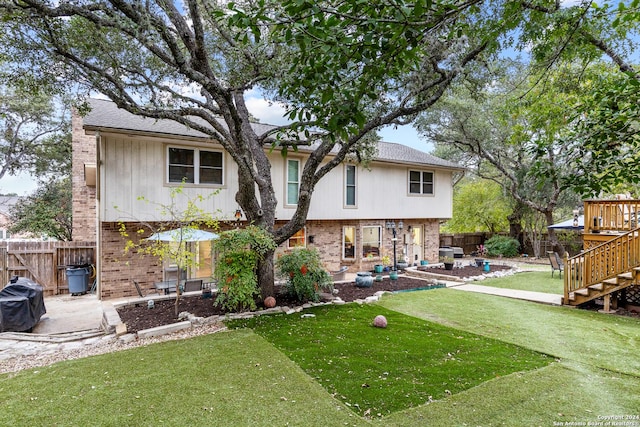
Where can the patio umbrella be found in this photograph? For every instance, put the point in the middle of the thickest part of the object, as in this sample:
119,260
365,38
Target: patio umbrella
184,234
568,224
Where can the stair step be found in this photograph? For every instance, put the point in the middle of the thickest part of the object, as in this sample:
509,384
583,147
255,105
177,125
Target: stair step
584,292
597,287
613,281
626,276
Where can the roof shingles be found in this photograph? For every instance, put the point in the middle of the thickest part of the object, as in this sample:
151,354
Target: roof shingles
106,115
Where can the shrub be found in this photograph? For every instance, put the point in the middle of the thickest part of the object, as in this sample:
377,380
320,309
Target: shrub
238,254
502,245
306,276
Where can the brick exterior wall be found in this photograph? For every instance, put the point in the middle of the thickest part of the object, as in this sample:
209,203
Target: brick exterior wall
120,269
327,238
84,197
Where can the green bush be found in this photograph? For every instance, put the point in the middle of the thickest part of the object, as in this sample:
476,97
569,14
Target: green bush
238,254
502,245
306,276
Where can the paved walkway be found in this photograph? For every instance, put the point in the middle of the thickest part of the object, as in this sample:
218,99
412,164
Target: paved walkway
539,297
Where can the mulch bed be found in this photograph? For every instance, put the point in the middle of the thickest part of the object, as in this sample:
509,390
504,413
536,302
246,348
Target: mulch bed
139,317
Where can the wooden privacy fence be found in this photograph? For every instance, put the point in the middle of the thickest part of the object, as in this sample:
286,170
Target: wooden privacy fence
44,262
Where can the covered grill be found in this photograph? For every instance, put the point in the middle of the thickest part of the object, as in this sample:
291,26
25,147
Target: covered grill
21,305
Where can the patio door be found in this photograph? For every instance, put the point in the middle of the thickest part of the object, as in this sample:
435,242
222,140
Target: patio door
415,245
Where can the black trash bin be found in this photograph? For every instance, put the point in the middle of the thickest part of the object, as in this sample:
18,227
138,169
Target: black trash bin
78,279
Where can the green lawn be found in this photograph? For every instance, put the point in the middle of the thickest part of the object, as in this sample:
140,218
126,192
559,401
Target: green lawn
536,281
380,371
596,374
225,379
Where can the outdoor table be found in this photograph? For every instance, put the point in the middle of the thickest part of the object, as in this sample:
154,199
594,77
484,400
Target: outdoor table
167,286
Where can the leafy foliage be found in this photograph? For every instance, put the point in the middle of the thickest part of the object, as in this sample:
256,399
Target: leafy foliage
502,246
306,276
46,212
478,205
181,212
239,251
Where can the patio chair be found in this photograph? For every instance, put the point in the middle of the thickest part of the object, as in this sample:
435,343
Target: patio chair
556,263
193,285
140,293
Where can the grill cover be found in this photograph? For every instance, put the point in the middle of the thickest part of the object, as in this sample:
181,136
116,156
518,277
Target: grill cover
21,305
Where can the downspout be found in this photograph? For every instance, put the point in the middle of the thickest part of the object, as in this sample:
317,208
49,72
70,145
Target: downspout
98,217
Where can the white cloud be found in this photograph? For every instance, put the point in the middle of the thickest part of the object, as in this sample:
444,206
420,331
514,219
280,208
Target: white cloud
21,184
266,111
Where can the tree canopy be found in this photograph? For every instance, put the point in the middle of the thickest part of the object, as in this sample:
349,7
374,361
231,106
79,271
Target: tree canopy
342,68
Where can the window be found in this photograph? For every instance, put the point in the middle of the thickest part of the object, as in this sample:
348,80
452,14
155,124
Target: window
371,241
350,185
298,240
195,166
348,242
420,182
293,181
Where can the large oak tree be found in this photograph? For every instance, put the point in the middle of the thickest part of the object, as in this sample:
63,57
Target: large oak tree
343,68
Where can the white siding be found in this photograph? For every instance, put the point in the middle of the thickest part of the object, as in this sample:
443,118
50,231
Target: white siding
134,167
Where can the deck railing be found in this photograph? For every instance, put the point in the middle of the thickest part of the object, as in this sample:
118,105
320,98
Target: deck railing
601,262
610,215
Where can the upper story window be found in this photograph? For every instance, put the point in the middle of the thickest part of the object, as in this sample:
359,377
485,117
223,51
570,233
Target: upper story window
350,185
195,166
298,240
293,181
420,182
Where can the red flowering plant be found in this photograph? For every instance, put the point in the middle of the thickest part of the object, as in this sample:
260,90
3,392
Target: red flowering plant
306,277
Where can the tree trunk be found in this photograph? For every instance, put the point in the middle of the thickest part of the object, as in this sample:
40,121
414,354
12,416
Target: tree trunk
515,226
553,239
266,275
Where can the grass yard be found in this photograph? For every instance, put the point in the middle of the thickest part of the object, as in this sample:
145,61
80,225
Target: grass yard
379,371
596,374
447,358
536,281
226,379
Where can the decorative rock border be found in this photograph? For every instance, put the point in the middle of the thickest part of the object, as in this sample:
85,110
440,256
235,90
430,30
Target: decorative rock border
191,321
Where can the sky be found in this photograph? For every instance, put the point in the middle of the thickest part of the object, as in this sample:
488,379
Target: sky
266,112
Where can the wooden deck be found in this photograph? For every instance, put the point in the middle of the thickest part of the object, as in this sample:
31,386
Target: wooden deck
610,261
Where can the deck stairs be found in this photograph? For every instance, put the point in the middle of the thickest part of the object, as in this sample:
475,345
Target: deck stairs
603,270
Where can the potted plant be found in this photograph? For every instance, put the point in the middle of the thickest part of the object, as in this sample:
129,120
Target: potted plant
481,252
448,262
386,262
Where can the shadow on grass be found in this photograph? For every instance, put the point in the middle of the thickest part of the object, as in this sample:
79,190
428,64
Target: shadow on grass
380,371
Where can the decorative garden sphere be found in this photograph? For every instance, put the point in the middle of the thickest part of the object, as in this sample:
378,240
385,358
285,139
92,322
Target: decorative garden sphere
269,302
380,321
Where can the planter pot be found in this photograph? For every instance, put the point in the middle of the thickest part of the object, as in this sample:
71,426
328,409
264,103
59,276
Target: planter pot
448,266
378,268
479,262
393,275
364,279
386,268
402,265
206,293
378,278
424,262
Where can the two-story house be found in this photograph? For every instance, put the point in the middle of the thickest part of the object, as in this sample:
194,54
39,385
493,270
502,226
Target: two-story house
119,157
